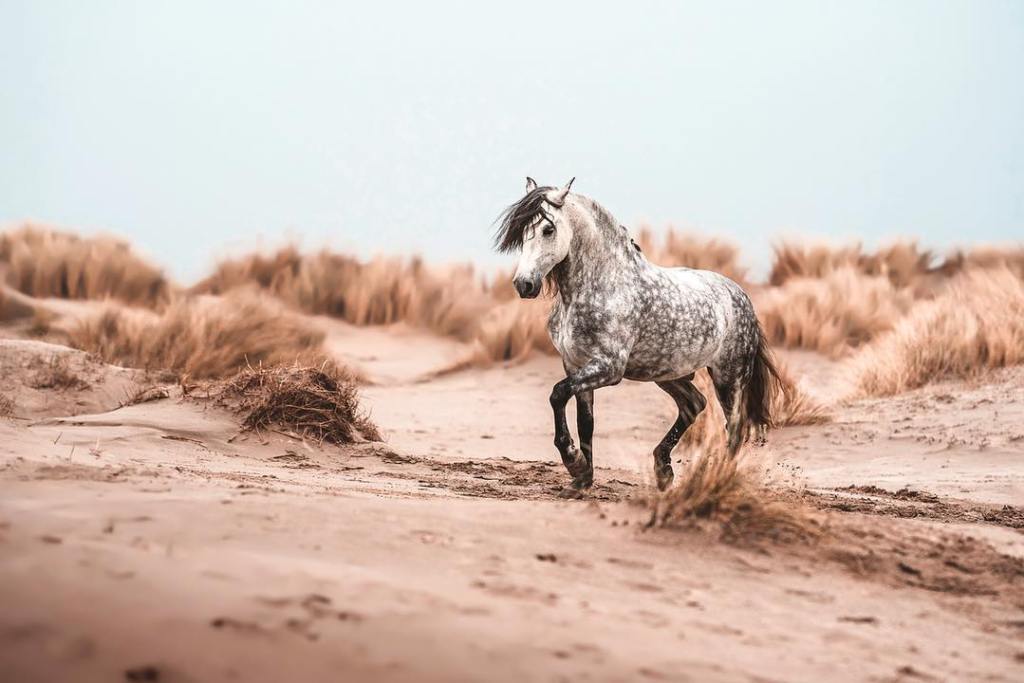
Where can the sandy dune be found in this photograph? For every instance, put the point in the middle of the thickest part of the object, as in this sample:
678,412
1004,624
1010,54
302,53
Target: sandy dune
155,542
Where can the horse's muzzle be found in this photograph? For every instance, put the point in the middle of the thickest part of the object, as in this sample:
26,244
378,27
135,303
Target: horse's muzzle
527,288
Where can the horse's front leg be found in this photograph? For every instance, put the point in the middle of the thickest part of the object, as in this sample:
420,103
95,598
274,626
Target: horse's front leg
585,427
583,381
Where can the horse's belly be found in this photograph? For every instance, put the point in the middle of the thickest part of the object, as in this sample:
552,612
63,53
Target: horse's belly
669,358
660,371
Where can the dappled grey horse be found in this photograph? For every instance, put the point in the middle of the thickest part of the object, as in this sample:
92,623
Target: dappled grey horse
616,315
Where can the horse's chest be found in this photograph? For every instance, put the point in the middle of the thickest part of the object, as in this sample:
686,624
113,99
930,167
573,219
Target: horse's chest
581,333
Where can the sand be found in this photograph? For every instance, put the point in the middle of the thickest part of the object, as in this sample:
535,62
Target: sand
155,542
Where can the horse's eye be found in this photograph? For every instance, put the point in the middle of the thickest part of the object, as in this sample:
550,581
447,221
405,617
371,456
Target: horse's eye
549,230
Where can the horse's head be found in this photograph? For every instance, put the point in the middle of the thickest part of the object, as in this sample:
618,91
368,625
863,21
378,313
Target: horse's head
538,226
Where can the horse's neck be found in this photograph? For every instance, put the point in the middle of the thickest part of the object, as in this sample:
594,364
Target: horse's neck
592,266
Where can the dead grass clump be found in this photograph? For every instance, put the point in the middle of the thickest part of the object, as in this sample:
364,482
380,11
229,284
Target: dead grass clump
6,406
810,261
691,251
833,314
791,407
992,257
200,337
976,324
721,493
318,402
902,263
48,263
510,331
56,373
379,292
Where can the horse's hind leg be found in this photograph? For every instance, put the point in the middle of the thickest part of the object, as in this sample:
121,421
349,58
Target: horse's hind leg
729,389
690,402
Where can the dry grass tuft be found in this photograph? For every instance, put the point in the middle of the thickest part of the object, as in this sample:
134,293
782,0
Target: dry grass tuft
903,263
991,257
717,492
6,406
691,251
318,402
48,263
512,330
791,407
379,292
56,373
200,337
976,324
810,261
832,314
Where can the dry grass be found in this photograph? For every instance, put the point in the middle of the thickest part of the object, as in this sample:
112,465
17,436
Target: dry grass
6,406
448,301
56,373
691,251
316,402
991,257
834,300
200,337
723,494
833,314
42,262
512,330
976,324
903,263
794,408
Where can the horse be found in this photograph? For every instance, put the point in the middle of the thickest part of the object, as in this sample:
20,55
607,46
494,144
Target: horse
618,316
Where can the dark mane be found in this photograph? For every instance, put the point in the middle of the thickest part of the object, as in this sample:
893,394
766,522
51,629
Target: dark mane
514,220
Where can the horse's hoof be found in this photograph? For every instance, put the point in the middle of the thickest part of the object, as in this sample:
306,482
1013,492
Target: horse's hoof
664,479
570,492
577,465
584,480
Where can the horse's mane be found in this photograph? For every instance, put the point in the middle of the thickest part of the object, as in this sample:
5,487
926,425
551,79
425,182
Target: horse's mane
514,220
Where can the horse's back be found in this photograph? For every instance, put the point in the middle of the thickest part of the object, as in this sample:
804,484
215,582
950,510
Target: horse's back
693,319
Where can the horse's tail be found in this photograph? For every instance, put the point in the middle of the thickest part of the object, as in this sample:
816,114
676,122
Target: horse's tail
765,385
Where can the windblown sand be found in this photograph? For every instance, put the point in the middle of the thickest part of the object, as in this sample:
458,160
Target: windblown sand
155,541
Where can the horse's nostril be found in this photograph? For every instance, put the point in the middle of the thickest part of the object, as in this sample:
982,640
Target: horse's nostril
523,287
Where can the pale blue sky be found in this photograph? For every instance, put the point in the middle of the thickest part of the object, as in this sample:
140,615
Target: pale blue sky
197,128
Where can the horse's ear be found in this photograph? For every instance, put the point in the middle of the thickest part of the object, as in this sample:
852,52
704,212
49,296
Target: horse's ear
531,184
558,197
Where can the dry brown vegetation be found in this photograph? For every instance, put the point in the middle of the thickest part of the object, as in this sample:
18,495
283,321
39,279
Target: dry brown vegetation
831,314
42,262
317,402
976,324
837,300
379,292
511,331
902,263
688,250
722,493
56,373
199,336
6,406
